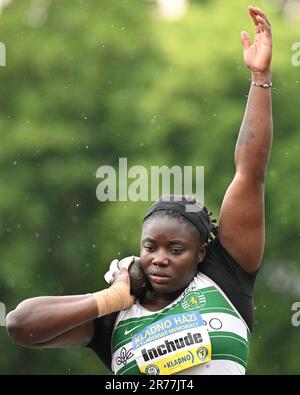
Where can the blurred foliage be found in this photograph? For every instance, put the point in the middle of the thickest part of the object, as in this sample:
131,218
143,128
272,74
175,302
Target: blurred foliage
88,82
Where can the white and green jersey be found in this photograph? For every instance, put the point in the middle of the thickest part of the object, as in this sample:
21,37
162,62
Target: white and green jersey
200,332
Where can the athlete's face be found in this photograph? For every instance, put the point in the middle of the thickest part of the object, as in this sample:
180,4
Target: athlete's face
169,254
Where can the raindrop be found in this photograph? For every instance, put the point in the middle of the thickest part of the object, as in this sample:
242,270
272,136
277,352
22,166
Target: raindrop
37,235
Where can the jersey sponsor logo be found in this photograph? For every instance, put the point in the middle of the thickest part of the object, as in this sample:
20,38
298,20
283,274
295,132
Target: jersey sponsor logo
124,356
193,300
167,326
152,370
202,353
180,360
170,346
131,330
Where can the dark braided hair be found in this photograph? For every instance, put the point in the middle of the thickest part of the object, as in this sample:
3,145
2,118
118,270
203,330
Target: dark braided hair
206,217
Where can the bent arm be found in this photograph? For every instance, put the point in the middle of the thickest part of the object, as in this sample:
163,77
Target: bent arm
64,321
53,321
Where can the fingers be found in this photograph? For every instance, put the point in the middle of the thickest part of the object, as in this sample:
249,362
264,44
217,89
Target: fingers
246,41
120,275
124,271
257,11
116,267
126,262
253,14
259,17
113,277
113,268
261,22
265,27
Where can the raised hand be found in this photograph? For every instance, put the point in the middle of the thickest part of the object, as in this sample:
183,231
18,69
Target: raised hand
257,56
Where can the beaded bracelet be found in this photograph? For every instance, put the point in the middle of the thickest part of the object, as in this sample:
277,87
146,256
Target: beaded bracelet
265,86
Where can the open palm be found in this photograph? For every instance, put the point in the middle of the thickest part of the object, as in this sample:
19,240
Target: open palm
257,56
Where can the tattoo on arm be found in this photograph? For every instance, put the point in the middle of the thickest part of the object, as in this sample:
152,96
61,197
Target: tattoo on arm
246,133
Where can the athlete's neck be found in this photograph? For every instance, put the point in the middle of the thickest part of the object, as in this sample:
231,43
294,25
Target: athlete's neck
160,299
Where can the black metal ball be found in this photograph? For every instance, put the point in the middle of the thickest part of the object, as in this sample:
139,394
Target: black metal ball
139,284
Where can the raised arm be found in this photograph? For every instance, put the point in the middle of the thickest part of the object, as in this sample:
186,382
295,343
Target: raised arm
242,230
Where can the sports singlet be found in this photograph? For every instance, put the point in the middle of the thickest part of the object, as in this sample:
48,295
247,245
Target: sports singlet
200,332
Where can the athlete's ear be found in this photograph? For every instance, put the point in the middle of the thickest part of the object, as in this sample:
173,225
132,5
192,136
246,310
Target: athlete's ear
202,252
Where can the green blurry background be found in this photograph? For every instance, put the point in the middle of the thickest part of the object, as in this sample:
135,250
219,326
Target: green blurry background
88,82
